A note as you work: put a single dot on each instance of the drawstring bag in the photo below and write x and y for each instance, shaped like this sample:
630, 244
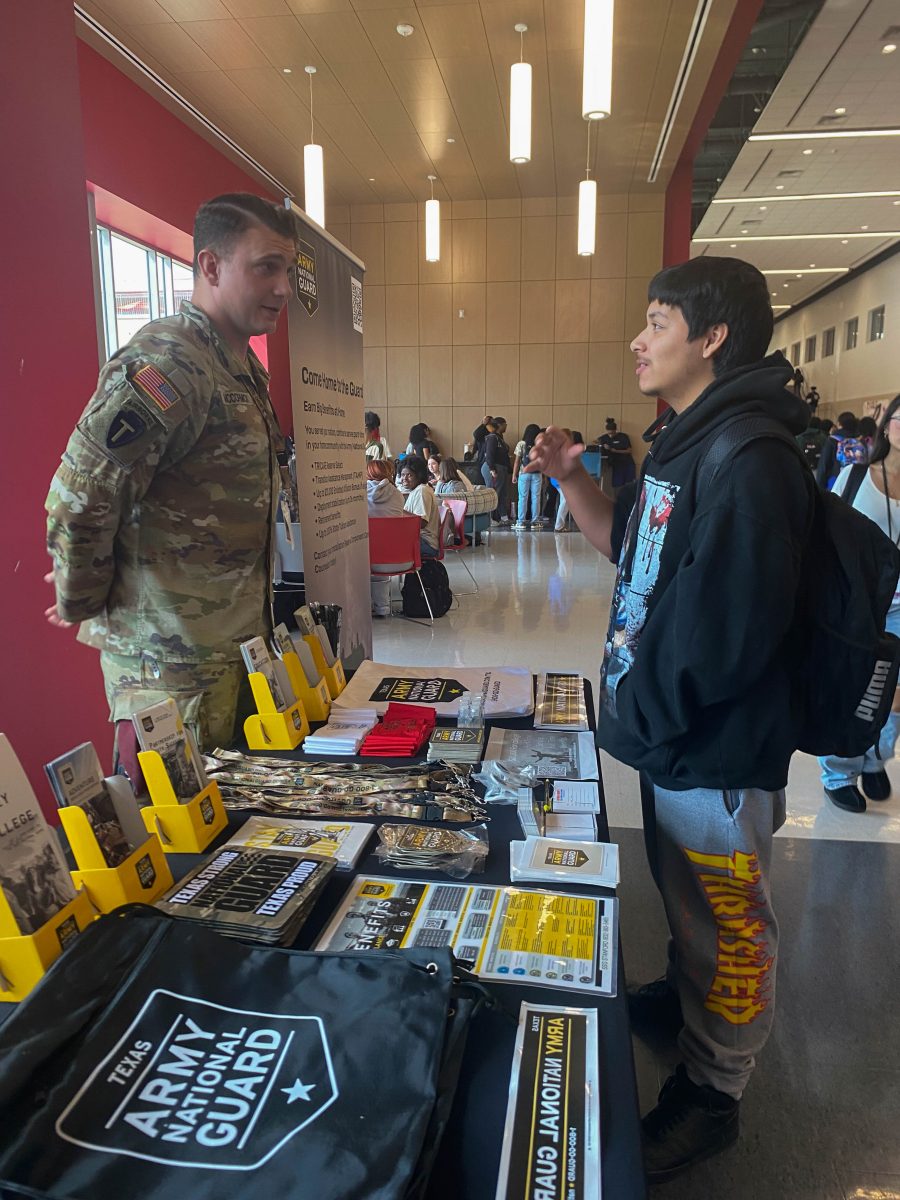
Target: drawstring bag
160, 1059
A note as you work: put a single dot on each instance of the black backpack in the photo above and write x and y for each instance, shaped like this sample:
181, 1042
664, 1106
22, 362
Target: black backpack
436, 584
845, 665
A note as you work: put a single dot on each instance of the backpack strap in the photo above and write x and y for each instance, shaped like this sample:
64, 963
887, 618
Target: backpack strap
733, 437
854, 482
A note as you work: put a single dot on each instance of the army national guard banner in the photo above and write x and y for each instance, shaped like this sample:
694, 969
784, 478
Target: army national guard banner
326, 336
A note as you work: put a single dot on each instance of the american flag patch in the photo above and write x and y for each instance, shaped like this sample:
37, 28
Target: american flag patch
156, 387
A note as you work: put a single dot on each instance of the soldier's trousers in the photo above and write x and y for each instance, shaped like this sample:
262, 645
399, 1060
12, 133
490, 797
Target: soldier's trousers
710, 853
210, 696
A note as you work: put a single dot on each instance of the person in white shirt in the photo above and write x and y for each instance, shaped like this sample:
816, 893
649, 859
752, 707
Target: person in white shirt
872, 489
420, 502
376, 445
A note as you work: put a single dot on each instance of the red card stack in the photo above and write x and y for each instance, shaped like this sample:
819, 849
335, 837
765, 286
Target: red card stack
402, 732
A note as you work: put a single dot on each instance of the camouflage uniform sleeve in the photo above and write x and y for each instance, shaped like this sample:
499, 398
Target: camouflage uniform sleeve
146, 411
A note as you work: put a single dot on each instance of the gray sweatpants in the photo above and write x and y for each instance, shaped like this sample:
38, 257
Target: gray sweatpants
710, 854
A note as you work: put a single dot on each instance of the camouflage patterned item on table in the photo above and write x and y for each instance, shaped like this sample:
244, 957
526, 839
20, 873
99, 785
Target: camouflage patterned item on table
161, 514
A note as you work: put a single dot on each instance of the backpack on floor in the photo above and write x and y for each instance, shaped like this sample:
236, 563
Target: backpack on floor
846, 666
436, 583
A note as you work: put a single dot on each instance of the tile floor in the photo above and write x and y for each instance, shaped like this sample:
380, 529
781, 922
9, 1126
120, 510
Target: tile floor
821, 1116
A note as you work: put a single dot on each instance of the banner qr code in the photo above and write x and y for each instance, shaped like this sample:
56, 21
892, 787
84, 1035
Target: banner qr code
356, 296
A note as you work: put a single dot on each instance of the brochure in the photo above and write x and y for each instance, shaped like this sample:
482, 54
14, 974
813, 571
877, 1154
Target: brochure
160, 727
551, 1142
554, 755
286, 641
77, 781
505, 934
257, 658
550, 860
33, 873
559, 702
507, 691
341, 840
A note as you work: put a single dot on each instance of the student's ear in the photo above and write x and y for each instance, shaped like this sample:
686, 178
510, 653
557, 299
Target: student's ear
208, 262
714, 339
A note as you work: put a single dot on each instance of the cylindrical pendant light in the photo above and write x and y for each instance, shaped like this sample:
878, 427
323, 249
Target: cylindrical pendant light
520, 104
587, 208
432, 226
596, 94
313, 168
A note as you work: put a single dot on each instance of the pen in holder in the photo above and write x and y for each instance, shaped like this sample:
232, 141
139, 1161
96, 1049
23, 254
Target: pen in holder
269, 729
182, 828
26, 957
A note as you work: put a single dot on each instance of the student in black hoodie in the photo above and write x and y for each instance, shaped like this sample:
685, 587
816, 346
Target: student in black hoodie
696, 683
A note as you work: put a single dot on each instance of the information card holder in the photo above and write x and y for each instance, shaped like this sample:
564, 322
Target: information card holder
333, 676
25, 957
182, 828
315, 698
269, 729
141, 878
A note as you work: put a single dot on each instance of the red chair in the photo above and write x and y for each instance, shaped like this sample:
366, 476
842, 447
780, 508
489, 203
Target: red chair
456, 544
394, 548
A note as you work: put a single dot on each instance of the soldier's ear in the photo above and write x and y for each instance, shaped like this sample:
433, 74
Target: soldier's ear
208, 262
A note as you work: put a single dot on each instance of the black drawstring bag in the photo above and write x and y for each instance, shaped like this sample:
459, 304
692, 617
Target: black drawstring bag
158, 1059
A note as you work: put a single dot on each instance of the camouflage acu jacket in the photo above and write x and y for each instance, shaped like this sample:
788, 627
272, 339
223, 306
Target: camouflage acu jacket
161, 514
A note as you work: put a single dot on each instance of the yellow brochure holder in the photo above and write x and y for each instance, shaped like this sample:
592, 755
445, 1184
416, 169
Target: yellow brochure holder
182, 828
141, 878
269, 729
333, 676
26, 957
315, 698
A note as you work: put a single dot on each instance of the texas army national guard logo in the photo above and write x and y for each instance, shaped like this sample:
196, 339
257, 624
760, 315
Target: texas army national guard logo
196, 1084
307, 282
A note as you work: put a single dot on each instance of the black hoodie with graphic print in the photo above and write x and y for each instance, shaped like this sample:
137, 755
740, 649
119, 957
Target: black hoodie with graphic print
696, 671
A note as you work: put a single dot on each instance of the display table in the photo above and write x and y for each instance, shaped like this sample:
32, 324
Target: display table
469, 1158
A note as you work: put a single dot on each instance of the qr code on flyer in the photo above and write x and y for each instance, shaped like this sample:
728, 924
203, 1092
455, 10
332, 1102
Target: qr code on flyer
356, 289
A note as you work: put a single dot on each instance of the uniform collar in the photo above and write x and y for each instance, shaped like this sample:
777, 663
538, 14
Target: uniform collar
252, 369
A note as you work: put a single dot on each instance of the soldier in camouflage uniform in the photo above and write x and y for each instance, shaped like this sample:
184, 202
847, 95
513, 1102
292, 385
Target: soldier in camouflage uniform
161, 514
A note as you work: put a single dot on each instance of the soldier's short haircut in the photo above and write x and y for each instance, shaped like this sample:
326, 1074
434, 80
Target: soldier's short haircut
221, 221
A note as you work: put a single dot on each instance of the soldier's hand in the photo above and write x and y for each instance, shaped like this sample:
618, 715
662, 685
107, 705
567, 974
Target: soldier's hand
554, 453
51, 613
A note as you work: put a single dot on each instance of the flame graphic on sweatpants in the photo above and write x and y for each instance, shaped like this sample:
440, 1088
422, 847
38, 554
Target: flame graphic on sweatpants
739, 990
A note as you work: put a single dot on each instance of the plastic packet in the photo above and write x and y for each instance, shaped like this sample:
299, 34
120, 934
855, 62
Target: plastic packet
502, 780
457, 852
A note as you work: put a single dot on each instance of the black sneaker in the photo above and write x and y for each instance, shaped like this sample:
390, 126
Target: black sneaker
655, 1008
876, 785
849, 798
690, 1122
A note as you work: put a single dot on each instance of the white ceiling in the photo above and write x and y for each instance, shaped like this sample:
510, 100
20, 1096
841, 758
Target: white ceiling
839, 64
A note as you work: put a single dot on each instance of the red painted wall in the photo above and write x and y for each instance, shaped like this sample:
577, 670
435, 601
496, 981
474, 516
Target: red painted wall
139, 151
51, 696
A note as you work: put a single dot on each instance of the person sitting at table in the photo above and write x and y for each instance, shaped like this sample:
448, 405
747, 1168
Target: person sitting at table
420, 502
434, 469
450, 480
384, 500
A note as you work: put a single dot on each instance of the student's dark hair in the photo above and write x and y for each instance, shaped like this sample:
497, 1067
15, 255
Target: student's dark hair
416, 466
418, 434
848, 422
449, 471
814, 423
611, 423
221, 221
882, 443
720, 291
372, 421
825, 425
529, 437
867, 427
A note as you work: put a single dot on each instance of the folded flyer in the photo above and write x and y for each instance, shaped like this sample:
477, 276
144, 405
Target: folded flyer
159, 727
341, 840
507, 691
77, 781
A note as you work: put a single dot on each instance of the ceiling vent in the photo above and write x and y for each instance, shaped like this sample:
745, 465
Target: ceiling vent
832, 119
788, 174
890, 34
